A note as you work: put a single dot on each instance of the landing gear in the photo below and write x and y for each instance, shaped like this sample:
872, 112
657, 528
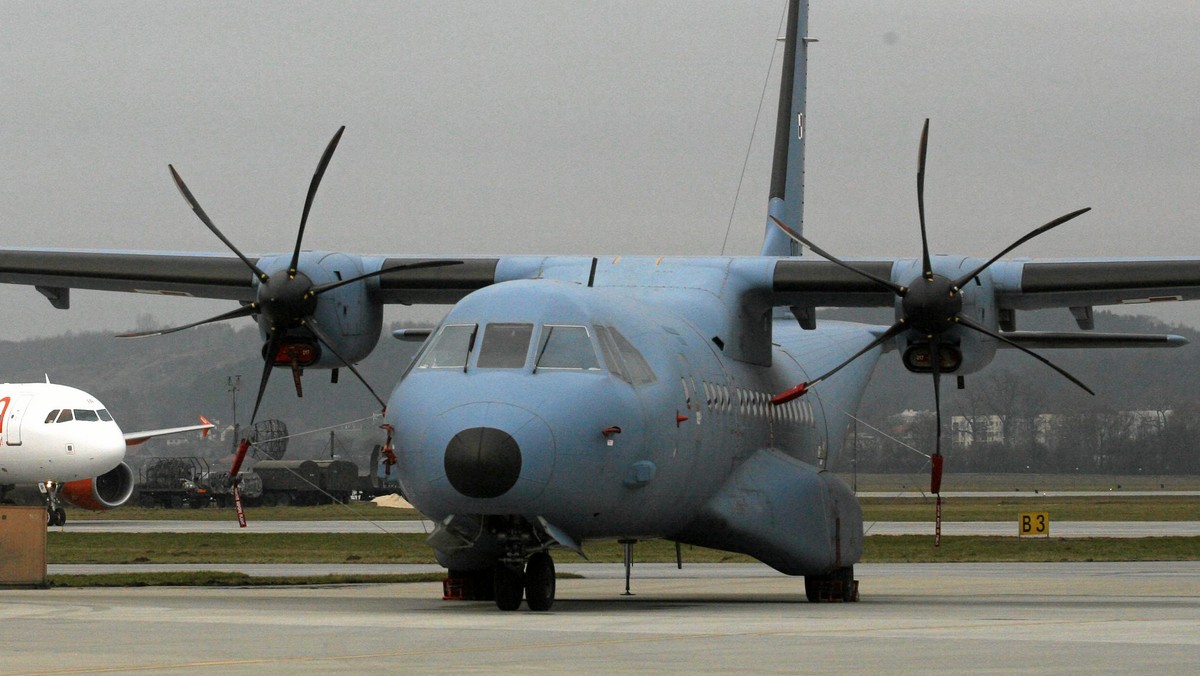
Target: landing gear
510, 586
505, 559
539, 582
839, 586
536, 584
55, 514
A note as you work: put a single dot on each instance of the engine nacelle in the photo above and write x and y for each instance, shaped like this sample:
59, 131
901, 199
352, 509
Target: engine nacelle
109, 490
350, 316
961, 351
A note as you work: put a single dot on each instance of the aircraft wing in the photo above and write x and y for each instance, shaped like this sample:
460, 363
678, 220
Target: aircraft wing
1086, 282
804, 282
220, 276
135, 438
200, 275
1019, 284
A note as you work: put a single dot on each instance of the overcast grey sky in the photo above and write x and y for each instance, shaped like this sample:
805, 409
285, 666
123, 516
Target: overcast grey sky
587, 128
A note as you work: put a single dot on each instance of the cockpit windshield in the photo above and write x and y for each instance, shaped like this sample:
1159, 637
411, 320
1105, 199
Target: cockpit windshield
450, 347
83, 414
566, 347
560, 347
505, 346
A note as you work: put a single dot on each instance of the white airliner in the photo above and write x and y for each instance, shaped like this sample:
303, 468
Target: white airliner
64, 441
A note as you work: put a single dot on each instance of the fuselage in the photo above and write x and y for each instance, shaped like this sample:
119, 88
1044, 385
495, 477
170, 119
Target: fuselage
607, 411
55, 433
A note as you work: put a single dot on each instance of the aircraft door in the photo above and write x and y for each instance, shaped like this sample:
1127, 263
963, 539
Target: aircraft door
12, 411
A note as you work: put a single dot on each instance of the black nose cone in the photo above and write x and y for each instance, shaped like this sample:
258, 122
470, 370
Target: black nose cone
483, 462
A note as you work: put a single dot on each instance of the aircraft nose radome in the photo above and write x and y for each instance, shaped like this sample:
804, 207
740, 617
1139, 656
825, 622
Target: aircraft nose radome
483, 462
480, 457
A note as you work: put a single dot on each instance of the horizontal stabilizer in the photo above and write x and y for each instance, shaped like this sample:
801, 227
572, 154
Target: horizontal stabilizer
1050, 340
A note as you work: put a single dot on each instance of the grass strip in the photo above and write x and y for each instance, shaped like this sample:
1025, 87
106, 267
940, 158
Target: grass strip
1080, 508
203, 578
208, 578
354, 511
200, 548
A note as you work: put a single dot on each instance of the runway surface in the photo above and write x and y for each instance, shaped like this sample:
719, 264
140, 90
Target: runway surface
1059, 618
1057, 528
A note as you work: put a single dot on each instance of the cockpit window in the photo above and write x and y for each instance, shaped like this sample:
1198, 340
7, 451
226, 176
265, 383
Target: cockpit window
104, 415
624, 360
504, 346
566, 347
450, 347
52, 416
86, 415
65, 415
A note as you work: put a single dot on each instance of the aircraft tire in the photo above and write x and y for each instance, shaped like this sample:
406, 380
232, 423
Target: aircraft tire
539, 582
510, 587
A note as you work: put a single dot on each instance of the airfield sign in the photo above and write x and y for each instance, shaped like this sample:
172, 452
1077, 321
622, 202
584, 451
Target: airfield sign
1033, 523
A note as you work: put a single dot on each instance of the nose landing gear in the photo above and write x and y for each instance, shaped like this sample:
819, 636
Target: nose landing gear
536, 583
52, 494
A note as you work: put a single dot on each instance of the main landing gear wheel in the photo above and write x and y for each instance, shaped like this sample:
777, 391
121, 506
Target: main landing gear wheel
510, 587
539, 581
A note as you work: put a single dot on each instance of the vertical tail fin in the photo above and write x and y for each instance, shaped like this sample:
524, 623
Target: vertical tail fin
787, 172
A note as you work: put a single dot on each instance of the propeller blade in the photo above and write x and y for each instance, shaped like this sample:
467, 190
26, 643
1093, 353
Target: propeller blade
890, 285
273, 344
935, 356
187, 194
799, 390
238, 458
999, 336
311, 323
244, 311
927, 265
312, 192
1052, 224
322, 288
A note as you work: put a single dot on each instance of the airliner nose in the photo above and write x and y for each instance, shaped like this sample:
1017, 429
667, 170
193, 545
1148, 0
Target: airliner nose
483, 462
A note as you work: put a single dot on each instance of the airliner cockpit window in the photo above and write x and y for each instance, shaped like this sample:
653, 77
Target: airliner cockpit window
450, 347
566, 347
104, 415
65, 415
52, 416
86, 415
504, 346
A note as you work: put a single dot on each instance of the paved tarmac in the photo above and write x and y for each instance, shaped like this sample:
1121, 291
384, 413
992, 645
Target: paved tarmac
1067, 529
949, 618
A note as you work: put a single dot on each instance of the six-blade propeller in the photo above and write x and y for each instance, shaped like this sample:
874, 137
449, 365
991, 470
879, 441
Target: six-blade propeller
931, 305
286, 299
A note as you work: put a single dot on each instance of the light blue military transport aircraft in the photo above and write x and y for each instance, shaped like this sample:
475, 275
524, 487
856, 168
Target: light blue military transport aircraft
572, 398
